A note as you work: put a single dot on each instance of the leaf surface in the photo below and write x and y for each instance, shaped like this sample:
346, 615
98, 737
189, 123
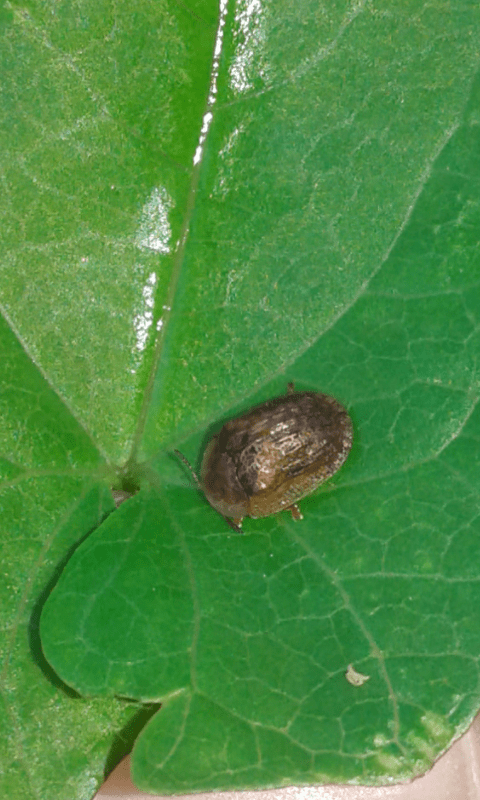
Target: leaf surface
162, 270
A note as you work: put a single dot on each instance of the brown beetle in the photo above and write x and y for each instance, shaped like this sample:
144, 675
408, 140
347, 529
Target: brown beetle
273, 455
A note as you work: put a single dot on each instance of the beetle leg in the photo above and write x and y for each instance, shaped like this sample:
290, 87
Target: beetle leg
236, 523
295, 511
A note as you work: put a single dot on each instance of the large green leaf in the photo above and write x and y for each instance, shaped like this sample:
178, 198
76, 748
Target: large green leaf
53, 743
326, 234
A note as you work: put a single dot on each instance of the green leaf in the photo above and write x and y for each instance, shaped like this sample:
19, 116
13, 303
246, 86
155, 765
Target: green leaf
48, 501
325, 233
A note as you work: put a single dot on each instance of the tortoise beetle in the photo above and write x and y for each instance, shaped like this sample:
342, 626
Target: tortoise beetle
267, 459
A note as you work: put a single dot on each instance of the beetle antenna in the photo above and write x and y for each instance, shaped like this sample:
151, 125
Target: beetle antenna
185, 460
187, 464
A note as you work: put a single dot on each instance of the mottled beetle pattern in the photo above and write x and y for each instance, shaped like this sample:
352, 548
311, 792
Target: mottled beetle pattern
273, 455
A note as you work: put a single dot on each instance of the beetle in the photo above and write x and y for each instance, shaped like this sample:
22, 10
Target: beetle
279, 451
